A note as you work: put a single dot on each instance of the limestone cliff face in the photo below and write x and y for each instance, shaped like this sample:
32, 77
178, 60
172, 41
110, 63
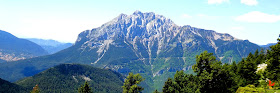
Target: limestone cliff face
149, 35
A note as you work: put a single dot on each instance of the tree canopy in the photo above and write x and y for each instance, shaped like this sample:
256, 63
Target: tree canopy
131, 83
85, 88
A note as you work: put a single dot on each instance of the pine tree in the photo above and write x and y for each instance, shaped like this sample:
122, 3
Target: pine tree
203, 62
212, 75
156, 91
85, 88
247, 70
131, 83
273, 62
169, 87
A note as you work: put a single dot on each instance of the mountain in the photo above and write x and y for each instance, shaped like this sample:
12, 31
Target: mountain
67, 78
13, 48
144, 43
51, 46
7, 87
267, 45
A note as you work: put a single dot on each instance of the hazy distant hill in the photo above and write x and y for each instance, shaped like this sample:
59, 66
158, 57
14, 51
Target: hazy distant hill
51, 46
144, 43
13, 48
267, 45
67, 78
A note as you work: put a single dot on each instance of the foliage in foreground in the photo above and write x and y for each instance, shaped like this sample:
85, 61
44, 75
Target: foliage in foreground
67, 78
131, 83
8, 87
213, 76
85, 88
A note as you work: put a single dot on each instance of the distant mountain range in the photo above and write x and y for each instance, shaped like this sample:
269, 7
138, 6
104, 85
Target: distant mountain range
144, 43
51, 46
267, 45
13, 48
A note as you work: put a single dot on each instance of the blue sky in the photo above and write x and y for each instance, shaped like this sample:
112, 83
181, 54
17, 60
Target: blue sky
62, 20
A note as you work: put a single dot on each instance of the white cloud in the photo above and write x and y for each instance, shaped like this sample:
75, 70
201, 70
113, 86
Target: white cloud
186, 16
217, 1
249, 2
258, 17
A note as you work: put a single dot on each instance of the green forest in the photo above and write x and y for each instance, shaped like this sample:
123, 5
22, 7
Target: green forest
67, 78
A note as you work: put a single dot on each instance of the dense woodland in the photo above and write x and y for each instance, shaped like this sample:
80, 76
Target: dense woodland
67, 78
7, 87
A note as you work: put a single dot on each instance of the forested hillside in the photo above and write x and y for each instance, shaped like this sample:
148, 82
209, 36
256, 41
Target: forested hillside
7, 87
67, 78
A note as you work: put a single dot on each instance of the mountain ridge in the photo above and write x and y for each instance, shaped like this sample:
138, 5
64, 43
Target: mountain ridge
267, 45
13, 48
51, 46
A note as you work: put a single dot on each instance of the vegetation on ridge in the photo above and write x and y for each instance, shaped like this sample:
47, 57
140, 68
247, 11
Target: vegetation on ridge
67, 78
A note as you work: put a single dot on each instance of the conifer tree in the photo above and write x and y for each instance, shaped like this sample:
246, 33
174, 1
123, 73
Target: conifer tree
169, 87
247, 70
273, 62
85, 88
212, 75
156, 91
131, 83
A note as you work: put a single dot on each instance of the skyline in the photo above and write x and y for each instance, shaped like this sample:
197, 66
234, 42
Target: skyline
64, 20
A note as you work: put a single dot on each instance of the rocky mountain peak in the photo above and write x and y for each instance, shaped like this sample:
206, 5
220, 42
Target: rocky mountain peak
138, 24
137, 12
147, 30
